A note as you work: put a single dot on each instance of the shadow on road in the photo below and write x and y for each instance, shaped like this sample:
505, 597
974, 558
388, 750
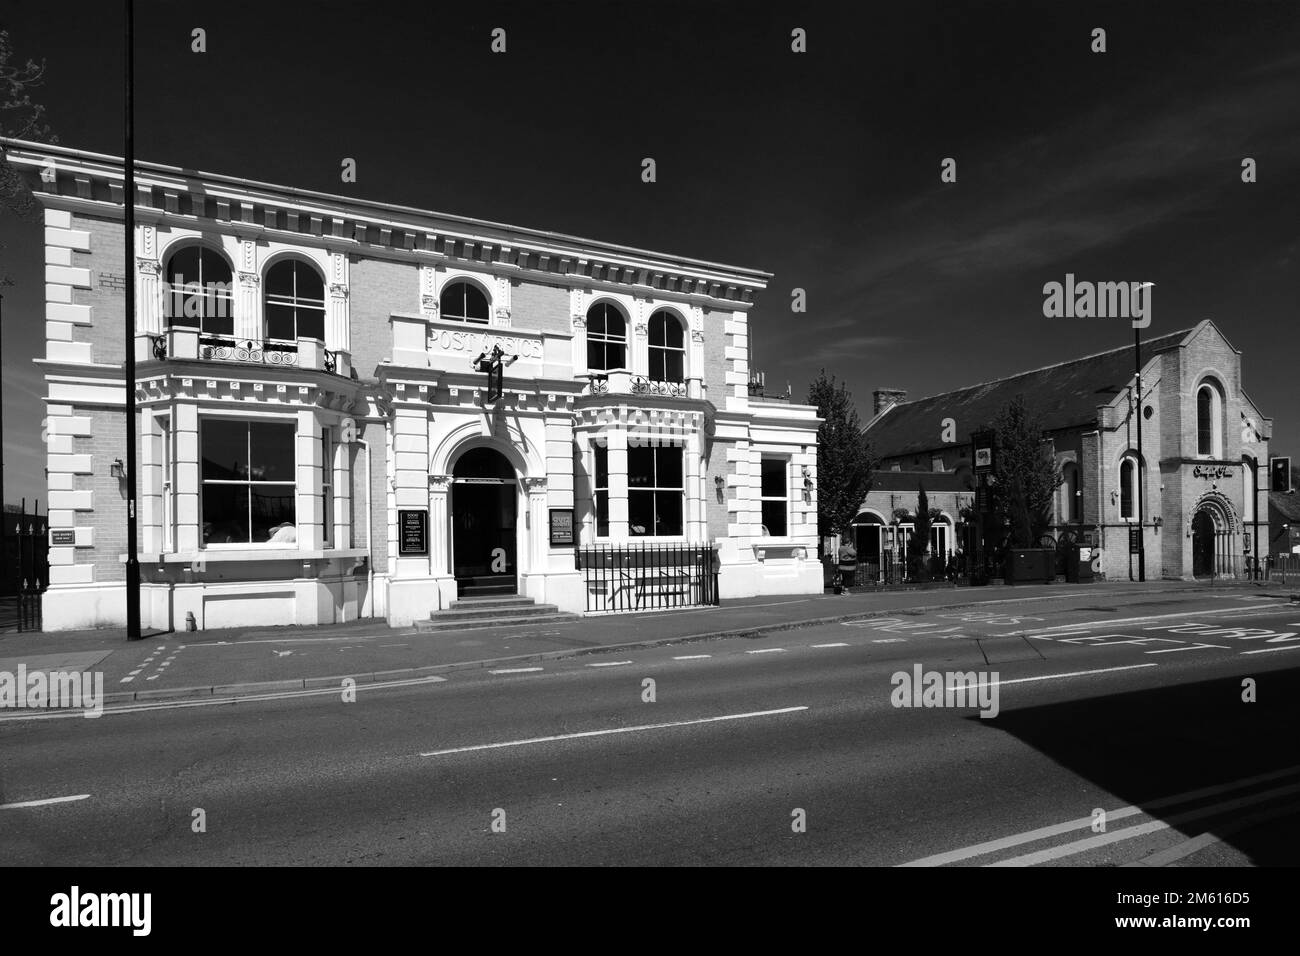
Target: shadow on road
1148, 746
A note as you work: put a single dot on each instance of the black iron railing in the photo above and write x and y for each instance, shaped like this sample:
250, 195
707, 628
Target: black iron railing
645, 386
642, 577
26, 569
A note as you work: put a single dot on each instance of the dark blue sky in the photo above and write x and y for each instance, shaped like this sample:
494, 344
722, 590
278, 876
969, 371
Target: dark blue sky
822, 168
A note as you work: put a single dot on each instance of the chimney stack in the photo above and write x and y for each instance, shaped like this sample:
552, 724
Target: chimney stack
887, 397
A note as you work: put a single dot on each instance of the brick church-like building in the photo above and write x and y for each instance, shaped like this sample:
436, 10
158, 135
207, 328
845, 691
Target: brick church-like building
1204, 461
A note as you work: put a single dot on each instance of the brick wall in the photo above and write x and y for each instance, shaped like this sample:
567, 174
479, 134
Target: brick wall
715, 511
543, 307
105, 443
374, 433
715, 362
378, 289
107, 294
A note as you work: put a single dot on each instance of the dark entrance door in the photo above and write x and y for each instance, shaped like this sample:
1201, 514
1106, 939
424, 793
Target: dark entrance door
1202, 544
483, 510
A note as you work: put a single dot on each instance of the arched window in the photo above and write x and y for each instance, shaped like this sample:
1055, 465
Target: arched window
1248, 489
463, 302
1070, 511
1128, 489
667, 348
1209, 419
606, 338
295, 302
199, 291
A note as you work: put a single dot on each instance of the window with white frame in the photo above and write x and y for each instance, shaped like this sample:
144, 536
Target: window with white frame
463, 301
248, 482
939, 535
655, 491
667, 348
601, 491
774, 496
199, 294
295, 302
1128, 488
606, 338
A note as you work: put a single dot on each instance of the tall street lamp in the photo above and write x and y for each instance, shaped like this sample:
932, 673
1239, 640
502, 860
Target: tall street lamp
132, 552
1141, 462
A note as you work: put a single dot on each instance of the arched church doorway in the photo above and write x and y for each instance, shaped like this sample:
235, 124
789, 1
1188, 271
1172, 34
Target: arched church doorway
1203, 544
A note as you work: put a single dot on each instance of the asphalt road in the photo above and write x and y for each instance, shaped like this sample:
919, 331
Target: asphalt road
787, 749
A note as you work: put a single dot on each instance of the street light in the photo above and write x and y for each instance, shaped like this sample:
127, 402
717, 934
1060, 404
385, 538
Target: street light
1141, 462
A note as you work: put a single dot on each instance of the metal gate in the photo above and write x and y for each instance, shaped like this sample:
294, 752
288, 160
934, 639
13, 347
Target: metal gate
25, 544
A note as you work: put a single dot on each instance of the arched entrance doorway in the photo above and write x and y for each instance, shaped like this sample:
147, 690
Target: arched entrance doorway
867, 541
484, 506
1203, 544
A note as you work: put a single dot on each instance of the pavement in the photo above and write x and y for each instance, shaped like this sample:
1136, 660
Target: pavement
253, 661
1122, 737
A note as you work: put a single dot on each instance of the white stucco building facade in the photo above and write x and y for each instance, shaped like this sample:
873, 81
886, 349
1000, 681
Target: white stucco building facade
317, 443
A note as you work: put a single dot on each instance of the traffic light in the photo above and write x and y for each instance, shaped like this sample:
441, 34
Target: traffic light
1281, 474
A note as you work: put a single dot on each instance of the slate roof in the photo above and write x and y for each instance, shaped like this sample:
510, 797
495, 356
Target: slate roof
1064, 395
934, 481
1287, 506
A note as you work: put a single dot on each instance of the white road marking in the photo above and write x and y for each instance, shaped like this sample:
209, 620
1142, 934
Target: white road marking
692, 657
1104, 839
152, 677
1034, 631
1269, 650
126, 680
890, 640
288, 640
1103, 670
767, 650
612, 730
1084, 823
43, 803
516, 670
841, 644
610, 664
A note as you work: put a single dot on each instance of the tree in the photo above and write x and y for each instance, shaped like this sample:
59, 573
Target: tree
1025, 474
920, 542
844, 459
20, 118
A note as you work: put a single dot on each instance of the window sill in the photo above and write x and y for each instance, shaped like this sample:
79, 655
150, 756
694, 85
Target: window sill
212, 555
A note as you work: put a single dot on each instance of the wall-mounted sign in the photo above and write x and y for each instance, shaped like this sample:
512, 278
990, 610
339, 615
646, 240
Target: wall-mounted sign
476, 343
413, 532
63, 536
1134, 540
1212, 472
561, 526
982, 452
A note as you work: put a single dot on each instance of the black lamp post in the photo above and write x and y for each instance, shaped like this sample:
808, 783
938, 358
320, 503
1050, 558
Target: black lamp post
1141, 462
132, 551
